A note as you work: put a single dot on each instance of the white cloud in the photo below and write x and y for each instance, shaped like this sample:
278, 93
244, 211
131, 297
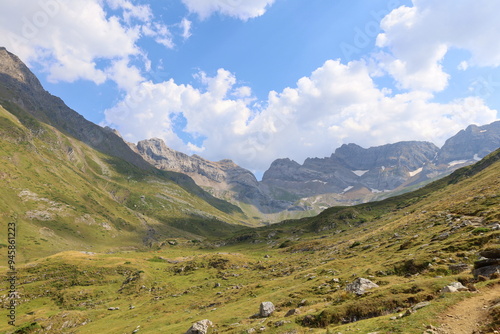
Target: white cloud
241, 9
419, 37
81, 40
66, 38
186, 28
336, 104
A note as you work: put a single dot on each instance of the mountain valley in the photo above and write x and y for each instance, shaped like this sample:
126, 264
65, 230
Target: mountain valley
113, 237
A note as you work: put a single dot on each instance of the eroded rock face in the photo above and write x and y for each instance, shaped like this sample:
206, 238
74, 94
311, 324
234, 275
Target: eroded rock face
200, 327
475, 142
224, 178
26, 91
360, 285
489, 264
377, 169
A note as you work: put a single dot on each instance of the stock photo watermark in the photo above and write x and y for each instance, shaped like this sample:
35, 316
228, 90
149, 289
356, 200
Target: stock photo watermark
364, 35
32, 24
11, 273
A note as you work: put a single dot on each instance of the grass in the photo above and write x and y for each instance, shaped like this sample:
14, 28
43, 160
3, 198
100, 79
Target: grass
94, 233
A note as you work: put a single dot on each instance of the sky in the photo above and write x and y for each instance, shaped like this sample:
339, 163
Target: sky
257, 80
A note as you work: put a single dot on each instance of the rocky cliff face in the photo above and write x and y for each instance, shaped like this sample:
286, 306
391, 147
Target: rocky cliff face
351, 167
471, 144
352, 174
224, 179
19, 86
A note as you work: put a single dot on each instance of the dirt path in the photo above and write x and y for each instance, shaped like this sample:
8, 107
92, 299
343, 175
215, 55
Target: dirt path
467, 316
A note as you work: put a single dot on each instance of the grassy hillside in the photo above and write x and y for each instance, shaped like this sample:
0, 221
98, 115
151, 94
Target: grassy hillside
64, 195
409, 245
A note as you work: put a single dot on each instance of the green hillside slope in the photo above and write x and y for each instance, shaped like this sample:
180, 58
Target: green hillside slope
64, 195
411, 246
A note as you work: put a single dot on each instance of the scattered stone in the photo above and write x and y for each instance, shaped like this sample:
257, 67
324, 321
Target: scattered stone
360, 285
420, 305
291, 312
303, 302
454, 287
458, 268
217, 285
113, 308
200, 327
441, 237
250, 330
490, 253
279, 323
267, 256
407, 313
266, 309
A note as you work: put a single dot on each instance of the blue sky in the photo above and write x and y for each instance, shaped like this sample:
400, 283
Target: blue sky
256, 80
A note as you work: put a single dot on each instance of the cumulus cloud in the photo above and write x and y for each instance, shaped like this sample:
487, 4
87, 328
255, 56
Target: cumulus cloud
338, 103
419, 37
241, 9
95, 40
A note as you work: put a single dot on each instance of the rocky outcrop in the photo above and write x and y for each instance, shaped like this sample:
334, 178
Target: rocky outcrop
19, 86
377, 169
489, 263
224, 178
200, 327
471, 144
360, 285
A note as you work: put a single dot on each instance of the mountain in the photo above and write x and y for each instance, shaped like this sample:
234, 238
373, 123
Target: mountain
351, 167
68, 183
412, 249
471, 144
223, 179
20, 88
351, 175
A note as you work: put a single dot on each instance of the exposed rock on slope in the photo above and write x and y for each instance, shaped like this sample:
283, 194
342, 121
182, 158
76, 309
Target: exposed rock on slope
471, 144
224, 179
19, 86
351, 166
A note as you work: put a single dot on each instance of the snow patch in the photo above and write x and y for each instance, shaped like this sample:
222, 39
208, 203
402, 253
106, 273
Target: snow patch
348, 188
415, 172
376, 191
382, 168
476, 157
360, 172
456, 162
483, 131
319, 181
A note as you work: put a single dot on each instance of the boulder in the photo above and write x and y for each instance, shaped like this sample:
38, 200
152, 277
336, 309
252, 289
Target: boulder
454, 287
360, 285
458, 268
486, 271
200, 327
490, 253
266, 309
486, 263
292, 312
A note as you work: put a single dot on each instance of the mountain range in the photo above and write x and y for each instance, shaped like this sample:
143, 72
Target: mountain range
113, 237
351, 175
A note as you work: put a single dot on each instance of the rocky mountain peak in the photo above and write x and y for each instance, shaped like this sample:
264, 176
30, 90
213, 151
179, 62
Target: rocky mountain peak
19, 86
13, 67
473, 143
